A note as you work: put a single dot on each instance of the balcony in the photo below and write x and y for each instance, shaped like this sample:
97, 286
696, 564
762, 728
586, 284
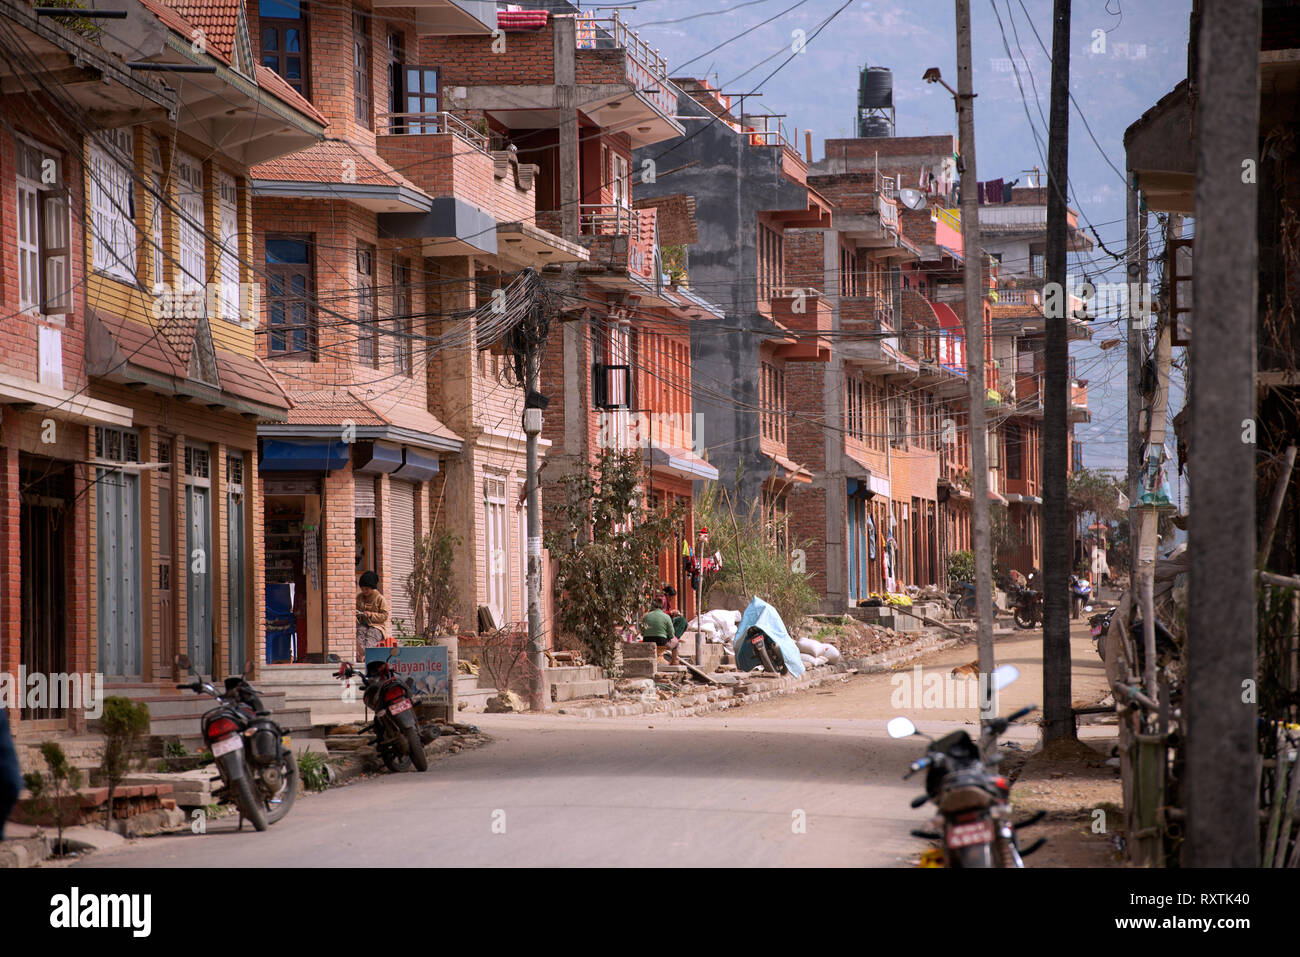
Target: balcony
764, 130
621, 240
643, 67
1079, 400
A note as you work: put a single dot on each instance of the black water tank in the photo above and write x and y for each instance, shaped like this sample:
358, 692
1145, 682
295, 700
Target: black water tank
875, 87
874, 127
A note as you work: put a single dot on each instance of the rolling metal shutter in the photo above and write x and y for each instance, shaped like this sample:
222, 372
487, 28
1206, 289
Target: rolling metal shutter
400, 529
364, 495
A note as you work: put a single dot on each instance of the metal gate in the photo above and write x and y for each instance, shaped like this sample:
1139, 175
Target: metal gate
400, 530
118, 557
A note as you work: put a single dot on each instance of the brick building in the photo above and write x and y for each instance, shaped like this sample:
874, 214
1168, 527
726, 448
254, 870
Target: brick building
387, 248
131, 390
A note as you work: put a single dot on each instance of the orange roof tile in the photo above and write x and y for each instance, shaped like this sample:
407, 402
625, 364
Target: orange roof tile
323, 163
336, 406
278, 87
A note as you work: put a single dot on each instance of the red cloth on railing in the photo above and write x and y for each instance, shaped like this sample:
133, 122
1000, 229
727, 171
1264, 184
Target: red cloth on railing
518, 20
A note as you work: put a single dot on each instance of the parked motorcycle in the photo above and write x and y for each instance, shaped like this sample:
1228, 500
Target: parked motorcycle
396, 733
253, 755
1098, 625
1080, 594
974, 819
963, 597
1028, 610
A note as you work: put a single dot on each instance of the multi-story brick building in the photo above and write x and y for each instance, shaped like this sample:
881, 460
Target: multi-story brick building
388, 248
574, 96
131, 389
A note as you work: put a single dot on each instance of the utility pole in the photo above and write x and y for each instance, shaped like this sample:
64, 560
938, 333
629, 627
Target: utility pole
1222, 750
1058, 714
972, 281
532, 429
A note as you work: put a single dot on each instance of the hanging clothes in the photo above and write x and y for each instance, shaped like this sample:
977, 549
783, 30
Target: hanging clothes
871, 538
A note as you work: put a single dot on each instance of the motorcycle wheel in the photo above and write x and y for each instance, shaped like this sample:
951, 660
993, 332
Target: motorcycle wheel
248, 803
279, 804
778, 659
764, 658
1076, 603
1025, 618
394, 760
418, 757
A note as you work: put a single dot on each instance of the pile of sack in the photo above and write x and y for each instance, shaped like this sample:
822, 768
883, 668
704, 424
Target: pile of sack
718, 626
814, 652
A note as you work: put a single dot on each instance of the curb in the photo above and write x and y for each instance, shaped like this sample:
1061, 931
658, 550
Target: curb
349, 766
720, 699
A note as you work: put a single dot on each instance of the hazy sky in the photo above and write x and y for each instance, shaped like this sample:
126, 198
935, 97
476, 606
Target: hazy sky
1145, 55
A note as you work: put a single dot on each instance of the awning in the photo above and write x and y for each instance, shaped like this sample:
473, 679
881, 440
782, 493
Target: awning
61, 403
416, 466
289, 455
995, 497
947, 317
682, 463
376, 457
787, 471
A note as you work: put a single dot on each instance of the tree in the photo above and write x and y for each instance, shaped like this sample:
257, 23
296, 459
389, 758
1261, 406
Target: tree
431, 586
125, 721
606, 546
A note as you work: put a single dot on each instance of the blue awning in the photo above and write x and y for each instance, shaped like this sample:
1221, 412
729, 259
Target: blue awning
303, 455
417, 466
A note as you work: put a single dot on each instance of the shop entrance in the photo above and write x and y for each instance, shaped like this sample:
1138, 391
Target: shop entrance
295, 572
44, 520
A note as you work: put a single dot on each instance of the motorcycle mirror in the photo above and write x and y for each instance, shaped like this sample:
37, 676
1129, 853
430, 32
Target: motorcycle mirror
1004, 675
900, 727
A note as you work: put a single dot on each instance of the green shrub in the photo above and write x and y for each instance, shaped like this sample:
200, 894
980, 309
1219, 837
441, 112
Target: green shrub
124, 721
59, 780
312, 771
961, 567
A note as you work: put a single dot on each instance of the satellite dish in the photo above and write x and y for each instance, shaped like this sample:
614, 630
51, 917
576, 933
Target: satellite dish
912, 198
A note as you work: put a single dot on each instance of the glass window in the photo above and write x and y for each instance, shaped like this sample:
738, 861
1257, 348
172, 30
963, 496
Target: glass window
290, 308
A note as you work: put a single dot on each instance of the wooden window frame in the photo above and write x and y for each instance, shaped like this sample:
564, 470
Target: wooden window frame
281, 25
362, 88
367, 324
403, 346
287, 299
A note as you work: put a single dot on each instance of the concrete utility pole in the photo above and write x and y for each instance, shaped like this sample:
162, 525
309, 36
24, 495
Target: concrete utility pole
1222, 751
1058, 714
532, 429
1138, 315
972, 281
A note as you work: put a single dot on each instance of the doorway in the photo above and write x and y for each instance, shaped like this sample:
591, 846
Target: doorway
294, 578
43, 525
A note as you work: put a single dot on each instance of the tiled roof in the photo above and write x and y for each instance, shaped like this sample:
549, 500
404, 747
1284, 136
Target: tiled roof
335, 406
217, 19
323, 163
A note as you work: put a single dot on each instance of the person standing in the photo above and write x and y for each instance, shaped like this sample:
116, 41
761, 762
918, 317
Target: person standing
372, 615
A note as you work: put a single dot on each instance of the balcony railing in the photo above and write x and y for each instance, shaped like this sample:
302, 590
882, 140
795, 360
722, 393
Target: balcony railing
419, 124
647, 70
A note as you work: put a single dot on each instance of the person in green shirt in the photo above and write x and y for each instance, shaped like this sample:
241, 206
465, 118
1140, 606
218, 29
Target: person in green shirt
656, 626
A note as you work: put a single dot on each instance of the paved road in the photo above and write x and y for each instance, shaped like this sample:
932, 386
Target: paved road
645, 791
604, 792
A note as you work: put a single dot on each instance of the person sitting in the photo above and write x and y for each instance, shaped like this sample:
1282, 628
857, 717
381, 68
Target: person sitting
679, 620
372, 616
656, 626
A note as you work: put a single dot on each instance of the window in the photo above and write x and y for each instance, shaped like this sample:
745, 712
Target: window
367, 330
228, 203
284, 40
361, 68
402, 316
898, 424
421, 89
112, 203
772, 403
619, 181
44, 228
116, 445
494, 504
1013, 441
396, 84
193, 223
771, 262
291, 315
156, 225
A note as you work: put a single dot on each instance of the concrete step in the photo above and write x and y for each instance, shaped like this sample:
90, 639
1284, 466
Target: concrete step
570, 690
290, 719
284, 675
574, 673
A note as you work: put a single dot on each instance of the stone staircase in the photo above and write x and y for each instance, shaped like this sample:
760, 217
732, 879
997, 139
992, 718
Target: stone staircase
571, 682
471, 697
314, 688
174, 713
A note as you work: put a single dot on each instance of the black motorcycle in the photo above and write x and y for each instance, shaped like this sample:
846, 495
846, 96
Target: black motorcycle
396, 732
1098, 626
974, 802
1028, 610
767, 651
257, 766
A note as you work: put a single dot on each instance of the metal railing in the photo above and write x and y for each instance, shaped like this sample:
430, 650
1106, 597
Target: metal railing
420, 124
609, 219
611, 33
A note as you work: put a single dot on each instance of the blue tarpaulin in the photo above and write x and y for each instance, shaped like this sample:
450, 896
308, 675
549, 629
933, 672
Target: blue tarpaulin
763, 616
